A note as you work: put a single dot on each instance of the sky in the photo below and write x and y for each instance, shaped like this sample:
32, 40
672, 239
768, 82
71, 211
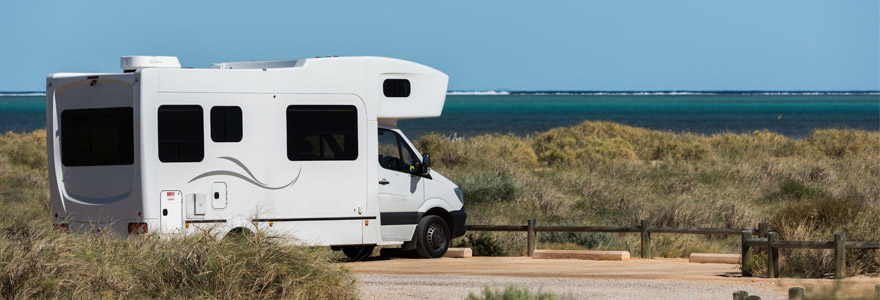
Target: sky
481, 45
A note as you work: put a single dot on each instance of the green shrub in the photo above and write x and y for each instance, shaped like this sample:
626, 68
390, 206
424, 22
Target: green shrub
511, 293
591, 240
796, 190
481, 245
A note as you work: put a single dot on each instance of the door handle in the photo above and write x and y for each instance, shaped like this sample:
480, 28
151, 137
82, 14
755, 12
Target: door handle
384, 182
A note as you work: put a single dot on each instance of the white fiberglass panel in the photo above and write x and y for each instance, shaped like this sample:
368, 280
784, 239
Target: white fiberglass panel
261, 182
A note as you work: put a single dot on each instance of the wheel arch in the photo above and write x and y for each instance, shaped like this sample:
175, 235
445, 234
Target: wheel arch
239, 225
442, 213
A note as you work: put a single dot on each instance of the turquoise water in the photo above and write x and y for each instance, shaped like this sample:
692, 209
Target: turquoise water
790, 115
22, 113
466, 115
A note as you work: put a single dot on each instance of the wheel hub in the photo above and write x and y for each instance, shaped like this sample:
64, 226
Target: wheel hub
436, 237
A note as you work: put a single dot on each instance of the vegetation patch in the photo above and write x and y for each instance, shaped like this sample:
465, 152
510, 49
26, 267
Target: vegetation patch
481, 244
595, 173
36, 261
512, 293
600, 173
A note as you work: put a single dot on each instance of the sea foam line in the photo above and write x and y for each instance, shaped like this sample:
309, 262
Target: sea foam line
22, 94
482, 93
664, 93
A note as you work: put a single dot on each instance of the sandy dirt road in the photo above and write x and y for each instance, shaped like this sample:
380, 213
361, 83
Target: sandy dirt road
451, 278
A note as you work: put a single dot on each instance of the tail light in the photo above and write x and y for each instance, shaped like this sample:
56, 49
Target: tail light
61, 227
137, 228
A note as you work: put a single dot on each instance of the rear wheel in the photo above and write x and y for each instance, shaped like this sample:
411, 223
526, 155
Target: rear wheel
356, 253
238, 234
432, 238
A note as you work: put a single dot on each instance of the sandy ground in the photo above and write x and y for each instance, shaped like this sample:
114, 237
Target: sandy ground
455, 278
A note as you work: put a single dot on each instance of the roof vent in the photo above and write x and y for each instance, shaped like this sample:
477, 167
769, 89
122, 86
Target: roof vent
132, 63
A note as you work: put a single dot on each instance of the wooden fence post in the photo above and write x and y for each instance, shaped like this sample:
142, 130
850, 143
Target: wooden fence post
531, 237
877, 292
646, 239
772, 255
745, 258
796, 293
762, 230
839, 255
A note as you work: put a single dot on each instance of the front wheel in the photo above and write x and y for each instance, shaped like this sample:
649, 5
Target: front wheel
432, 238
357, 253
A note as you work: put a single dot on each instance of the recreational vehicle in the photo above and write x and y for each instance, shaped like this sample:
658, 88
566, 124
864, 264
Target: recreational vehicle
306, 147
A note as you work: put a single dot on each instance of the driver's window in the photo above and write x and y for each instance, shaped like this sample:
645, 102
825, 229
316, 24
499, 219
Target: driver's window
394, 153
389, 153
408, 157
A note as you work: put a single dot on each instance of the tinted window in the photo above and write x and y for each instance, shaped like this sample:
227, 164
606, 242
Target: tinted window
97, 137
406, 154
389, 152
394, 153
322, 132
396, 88
181, 133
226, 124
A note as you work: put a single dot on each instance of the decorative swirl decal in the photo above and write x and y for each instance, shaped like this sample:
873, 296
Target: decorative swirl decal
250, 178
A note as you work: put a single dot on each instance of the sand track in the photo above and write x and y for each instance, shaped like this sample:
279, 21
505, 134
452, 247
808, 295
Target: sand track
450, 278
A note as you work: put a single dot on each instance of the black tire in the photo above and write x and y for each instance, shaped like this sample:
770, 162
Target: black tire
357, 253
432, 237
238, 235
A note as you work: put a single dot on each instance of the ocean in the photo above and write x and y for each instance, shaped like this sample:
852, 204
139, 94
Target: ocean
793, 114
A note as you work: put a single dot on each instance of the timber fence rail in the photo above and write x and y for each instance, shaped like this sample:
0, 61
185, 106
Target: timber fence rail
766, 240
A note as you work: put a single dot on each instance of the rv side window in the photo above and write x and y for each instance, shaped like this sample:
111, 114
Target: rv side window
97, 137
396, 88
181, 133
226, 124
322, 132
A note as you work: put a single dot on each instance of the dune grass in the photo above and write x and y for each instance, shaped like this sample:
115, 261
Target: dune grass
600, 173
37, 261
595, 173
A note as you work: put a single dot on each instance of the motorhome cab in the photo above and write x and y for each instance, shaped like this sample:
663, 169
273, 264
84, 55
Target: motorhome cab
305, 147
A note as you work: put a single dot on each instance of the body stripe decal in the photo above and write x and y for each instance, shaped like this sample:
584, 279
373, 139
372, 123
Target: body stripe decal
251, 178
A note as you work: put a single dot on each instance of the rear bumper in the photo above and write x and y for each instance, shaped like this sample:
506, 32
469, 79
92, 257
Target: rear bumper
459, 217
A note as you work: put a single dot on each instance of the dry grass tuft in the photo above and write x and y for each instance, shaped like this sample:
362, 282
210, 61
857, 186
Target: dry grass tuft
38, 262
43, 263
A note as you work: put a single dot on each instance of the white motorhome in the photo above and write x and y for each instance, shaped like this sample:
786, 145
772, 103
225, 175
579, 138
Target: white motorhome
306, 147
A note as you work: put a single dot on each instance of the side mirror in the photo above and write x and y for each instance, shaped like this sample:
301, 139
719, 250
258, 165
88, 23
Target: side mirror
421, 168
426, 161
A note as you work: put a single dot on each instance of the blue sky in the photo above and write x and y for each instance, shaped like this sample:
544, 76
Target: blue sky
482, 45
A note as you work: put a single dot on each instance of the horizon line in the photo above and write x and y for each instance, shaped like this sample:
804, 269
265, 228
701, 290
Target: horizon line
595, 91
